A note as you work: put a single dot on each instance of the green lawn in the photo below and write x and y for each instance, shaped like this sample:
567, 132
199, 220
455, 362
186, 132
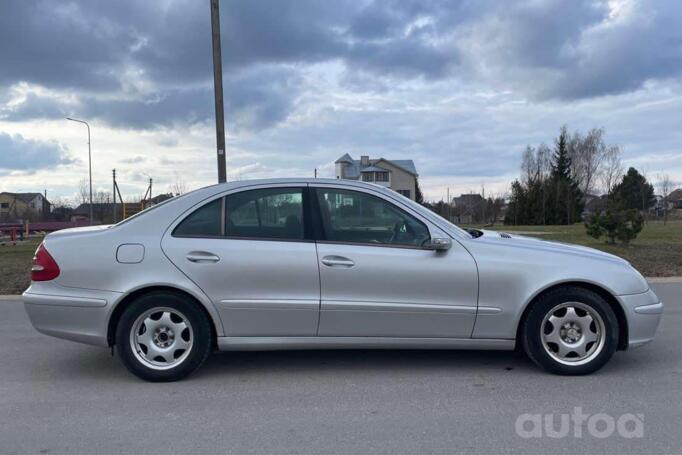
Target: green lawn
657, 251
15, 266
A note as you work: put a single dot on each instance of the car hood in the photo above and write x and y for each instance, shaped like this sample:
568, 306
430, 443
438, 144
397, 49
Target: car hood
522, 241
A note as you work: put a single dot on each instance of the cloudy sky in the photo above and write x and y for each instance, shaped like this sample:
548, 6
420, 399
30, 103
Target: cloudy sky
460, 87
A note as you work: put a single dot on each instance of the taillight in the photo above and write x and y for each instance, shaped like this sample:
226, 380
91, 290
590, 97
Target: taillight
44, 266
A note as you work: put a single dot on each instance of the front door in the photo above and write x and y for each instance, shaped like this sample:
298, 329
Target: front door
377, 279
252, 255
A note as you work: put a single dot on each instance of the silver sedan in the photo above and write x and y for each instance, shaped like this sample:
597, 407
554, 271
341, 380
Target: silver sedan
323, 264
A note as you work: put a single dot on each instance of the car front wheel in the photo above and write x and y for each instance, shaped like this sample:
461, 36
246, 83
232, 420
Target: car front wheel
570, 331
162, 337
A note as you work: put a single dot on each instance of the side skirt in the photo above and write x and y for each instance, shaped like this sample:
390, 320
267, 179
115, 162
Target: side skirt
291, 343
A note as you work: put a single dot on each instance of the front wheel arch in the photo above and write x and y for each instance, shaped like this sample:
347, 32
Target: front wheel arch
623, 335
128, 299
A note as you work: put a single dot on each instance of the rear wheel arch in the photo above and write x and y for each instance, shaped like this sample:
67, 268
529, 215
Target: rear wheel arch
603, 293
132, 296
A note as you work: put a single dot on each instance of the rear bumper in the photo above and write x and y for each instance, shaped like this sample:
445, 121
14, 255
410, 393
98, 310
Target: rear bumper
643, 313
74, 314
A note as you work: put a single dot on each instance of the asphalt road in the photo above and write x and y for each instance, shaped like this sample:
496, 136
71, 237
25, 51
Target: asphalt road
62, 397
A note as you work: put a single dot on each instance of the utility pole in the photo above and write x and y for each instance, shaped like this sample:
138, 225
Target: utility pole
89, 160
113, 173
218, 91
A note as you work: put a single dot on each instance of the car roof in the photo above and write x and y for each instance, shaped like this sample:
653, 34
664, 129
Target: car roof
300, 180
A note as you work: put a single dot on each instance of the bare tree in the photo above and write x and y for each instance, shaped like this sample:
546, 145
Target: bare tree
588, 154
536, 163
665, 186
178, 187
544, 160
102, 206
612, 169
84, 191
528, 165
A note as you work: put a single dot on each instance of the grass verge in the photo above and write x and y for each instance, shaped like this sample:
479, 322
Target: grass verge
657, 250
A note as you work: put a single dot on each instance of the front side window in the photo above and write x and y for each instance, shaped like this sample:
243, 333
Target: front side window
356, 217
272, 213
203, 222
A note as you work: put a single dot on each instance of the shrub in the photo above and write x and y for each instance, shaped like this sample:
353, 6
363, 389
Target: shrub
629, 225
623, 225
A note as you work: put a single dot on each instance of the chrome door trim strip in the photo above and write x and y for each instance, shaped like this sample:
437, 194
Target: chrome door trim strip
273, 304
489, 310
342, 305
295, 343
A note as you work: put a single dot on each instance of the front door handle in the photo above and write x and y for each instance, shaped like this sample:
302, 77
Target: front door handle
202, 256
337, 261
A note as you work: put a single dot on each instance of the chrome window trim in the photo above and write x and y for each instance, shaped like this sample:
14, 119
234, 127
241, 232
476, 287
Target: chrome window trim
380, 245
180, 218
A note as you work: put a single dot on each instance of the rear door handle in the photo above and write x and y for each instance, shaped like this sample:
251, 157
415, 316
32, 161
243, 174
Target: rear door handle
202, 256
337, 261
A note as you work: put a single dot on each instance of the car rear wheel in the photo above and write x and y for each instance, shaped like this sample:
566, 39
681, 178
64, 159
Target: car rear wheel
570, 331
162, 336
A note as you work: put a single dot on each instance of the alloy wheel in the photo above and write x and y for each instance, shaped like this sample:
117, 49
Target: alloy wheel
573, 333
161, 338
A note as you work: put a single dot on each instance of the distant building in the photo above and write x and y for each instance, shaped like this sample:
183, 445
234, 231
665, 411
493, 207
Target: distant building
675, 199
157, 199
102, 212
467, 201
595, 204
398, 175
23, 205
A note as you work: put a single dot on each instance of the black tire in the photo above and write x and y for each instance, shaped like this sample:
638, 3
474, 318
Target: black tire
195, 356
532, 331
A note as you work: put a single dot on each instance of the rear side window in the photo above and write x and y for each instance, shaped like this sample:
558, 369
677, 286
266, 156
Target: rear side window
203, 222
272, 213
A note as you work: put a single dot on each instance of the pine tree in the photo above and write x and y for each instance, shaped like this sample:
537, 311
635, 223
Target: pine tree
633, 192
418, 196
564, 198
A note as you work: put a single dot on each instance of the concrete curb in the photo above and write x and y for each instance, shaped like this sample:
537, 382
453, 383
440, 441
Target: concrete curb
653, 279
665, 279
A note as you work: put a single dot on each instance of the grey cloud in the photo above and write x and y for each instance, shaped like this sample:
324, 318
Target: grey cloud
573, 50
133, 160
147, 65
254, 100
20, 154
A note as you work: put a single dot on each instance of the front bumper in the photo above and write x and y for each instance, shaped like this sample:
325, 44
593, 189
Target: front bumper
643, 313
74, 314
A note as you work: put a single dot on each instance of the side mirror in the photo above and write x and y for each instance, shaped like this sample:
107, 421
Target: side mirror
438, 244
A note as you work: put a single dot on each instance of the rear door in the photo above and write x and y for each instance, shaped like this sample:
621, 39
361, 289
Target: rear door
378, 280
252, 254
